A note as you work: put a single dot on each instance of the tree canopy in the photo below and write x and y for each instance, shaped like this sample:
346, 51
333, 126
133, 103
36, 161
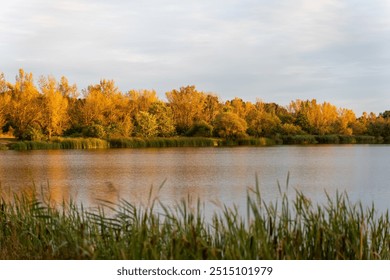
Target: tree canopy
57, 108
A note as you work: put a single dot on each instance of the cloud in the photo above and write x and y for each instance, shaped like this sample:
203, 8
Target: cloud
275, 50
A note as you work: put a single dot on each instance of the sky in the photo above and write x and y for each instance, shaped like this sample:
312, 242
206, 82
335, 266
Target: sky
273, 50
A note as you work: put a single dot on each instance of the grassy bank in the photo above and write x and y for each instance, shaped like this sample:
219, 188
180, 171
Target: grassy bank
95, 143
163, 142
331, 139
289, 229
160, 142
61, 143
261, 141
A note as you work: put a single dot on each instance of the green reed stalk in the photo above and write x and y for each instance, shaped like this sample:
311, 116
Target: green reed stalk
33, 228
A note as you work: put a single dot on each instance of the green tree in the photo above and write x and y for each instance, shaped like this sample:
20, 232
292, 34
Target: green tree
379, 126
164, 119
146, 125
290, 129
385, 114
200, 129
229, 125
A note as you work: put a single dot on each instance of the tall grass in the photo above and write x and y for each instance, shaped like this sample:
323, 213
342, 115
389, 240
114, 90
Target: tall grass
163, 142
299, 139
82, 143
286, 229
159, 142
331, 139
61, 143
250, 141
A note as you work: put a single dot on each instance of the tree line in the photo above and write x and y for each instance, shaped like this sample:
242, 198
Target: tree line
57, 108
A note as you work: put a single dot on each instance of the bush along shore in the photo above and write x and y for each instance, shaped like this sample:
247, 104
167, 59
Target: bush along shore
95, 143
31, 228
160, 142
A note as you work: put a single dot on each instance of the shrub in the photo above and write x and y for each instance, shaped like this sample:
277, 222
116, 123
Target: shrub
200, 129
230, 126
94, 131
299, 139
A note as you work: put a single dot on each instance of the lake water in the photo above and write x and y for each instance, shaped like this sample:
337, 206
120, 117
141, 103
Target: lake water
211, 174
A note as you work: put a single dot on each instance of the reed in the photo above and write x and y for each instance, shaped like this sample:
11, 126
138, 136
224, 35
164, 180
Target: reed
163, 142
3, 147
249, 141
32, 228
299, 139
82, 143
261, 141
61, 143
327, 139
360, 139
331, 139
160, 142
34, 145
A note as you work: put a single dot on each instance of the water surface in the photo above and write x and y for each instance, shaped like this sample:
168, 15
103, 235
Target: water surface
212, 174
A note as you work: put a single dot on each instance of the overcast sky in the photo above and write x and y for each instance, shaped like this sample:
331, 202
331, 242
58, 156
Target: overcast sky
275, 50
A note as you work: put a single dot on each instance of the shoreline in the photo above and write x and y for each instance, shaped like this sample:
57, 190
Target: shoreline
59, 143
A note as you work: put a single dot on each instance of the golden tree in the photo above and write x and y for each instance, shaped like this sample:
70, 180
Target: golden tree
141, 100
314, 118
4, 100
345, 123
25, 107
187, 106
260, 121
54, 107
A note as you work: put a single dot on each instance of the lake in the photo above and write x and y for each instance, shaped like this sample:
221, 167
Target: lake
215, 175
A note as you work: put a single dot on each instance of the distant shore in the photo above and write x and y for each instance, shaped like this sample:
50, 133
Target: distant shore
9, 143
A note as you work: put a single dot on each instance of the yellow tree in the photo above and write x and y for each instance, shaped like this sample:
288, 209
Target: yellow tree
322, 117
105, 108
187, 106
314, 118
67, 90
55, 116
71, 94
98, 104
141, 100
345, 122
123, 122
261, 122
212, 107
4, 101
24, 107
360, 126
239, 107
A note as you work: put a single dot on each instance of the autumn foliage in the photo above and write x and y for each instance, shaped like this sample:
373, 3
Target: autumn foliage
56, 108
